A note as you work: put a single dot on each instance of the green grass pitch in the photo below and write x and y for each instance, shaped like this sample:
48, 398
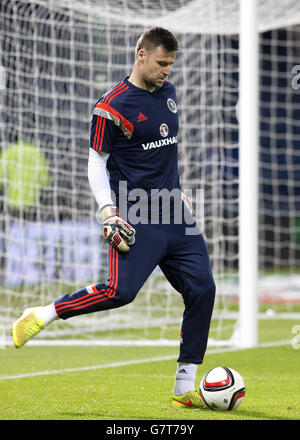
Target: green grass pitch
135, 383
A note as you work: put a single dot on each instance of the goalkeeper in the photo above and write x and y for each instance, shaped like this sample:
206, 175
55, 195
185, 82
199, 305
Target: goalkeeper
134, 136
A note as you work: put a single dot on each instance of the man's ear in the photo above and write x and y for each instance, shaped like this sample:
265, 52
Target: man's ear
141, 55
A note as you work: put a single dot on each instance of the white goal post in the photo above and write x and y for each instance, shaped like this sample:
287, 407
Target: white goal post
237, 76
248, 174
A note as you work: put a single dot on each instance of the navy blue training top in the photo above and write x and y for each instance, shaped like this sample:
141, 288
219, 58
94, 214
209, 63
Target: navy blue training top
138, 129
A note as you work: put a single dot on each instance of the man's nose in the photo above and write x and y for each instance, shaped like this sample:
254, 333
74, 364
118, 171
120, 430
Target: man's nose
167, 70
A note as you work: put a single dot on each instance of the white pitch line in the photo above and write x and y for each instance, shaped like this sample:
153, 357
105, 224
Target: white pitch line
133, 362
90, 367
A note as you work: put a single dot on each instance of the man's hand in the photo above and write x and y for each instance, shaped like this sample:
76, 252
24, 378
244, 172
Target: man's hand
117, 232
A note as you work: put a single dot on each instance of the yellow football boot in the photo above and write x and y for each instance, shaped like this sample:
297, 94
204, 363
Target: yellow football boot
27, 326
191, 399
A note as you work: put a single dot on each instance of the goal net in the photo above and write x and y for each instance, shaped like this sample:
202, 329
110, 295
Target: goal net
57, 57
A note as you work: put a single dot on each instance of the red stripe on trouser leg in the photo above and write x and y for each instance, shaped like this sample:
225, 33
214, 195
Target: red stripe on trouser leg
86, 299
67, 306
114, 275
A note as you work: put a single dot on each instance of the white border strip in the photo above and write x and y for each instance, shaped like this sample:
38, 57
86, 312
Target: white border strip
113, 342
132, 362
90, 367
103, 342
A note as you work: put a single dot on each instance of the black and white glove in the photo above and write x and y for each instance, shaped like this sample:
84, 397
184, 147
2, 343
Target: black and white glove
118, 233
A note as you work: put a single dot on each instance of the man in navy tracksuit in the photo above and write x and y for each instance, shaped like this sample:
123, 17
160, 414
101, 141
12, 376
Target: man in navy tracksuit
134, 136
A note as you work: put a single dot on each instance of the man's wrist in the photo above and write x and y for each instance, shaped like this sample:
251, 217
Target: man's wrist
106, 212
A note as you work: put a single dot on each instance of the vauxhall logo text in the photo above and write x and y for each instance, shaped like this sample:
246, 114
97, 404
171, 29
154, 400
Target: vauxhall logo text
160, 143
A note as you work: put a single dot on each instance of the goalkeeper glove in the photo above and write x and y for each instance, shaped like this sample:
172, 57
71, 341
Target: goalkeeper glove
118, 233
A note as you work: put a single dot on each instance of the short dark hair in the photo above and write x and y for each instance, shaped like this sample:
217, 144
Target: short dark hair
157, 36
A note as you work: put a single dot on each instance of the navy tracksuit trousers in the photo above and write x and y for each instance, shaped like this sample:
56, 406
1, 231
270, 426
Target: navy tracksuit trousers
184, 260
